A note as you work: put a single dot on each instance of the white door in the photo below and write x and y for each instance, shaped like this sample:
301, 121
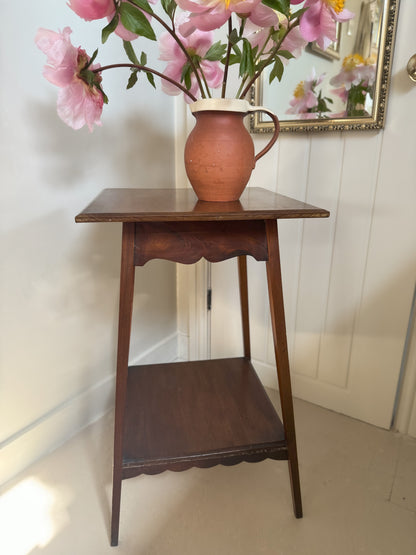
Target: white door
348, 281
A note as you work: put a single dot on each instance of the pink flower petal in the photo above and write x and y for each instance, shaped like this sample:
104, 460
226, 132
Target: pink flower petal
294, 43
213, 73
263, 16
61, 55
92, 9
80, 105
207, 21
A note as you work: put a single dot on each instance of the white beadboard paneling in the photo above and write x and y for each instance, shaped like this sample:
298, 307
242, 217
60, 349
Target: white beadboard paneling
258, 308
265, 172
353, 222
292, 179
325, 167
226, 334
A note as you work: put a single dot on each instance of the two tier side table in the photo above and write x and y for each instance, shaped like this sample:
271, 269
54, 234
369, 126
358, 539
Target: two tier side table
199, 413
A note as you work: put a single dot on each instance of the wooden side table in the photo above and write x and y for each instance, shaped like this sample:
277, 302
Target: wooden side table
200, 413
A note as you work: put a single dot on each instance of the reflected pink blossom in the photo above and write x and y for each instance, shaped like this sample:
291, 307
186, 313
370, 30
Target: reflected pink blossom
342, 93
79, 102
304, 96
355, 71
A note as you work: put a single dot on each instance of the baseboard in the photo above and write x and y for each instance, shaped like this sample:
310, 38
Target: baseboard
266, 373
66, 420
163, 351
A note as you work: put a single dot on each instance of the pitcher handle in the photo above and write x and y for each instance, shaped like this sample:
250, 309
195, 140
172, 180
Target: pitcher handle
276, 132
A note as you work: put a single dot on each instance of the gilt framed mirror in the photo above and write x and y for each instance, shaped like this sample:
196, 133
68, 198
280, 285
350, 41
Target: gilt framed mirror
365, 42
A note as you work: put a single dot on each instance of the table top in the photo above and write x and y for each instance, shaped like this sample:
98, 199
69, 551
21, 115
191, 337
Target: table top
163, 205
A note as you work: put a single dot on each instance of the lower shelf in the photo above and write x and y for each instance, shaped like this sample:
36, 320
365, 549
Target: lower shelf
200, 413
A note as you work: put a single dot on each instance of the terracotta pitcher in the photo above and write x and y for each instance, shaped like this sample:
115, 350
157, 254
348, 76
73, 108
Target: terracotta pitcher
219, 152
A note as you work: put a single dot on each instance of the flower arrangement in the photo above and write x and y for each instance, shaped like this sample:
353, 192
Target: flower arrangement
257, 34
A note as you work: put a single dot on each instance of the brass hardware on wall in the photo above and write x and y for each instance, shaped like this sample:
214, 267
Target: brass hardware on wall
411, 68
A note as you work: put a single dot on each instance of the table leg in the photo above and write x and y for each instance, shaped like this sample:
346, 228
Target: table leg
242, 276
274, 280
124, 330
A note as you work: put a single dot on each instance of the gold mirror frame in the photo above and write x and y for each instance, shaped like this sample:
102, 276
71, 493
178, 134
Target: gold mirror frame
376, 121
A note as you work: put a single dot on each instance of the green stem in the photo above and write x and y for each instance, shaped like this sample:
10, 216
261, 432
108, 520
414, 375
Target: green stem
205, 81
227, 59
150, 70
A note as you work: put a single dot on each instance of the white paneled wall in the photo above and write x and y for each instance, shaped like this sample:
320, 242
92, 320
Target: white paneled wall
59, 280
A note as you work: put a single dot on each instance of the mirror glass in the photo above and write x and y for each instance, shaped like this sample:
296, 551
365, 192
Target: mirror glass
351, 77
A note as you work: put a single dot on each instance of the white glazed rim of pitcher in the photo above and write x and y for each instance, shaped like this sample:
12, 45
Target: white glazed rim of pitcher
222, 104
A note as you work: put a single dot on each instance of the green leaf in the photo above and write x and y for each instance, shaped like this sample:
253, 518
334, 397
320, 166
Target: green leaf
247, 59
186, 75
285, 54
91, 60
297, 14
356, 95
135, 21
237, 50
169, 6
234, 59
130, 52
143, 59
277, 71
110, 28
216, 52
132, 79
234, 37
282, 6
151, 79
144, 4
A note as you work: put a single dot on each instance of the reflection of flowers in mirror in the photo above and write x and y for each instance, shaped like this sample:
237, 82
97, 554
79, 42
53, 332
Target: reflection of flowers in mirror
256, 34
307, 102
355, 83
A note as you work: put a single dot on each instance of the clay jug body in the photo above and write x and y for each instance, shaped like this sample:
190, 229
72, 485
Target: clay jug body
219, 152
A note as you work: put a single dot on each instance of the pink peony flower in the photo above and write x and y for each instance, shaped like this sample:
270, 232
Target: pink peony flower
196, 44
207, 15
79, 102
318, 23
92, 9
